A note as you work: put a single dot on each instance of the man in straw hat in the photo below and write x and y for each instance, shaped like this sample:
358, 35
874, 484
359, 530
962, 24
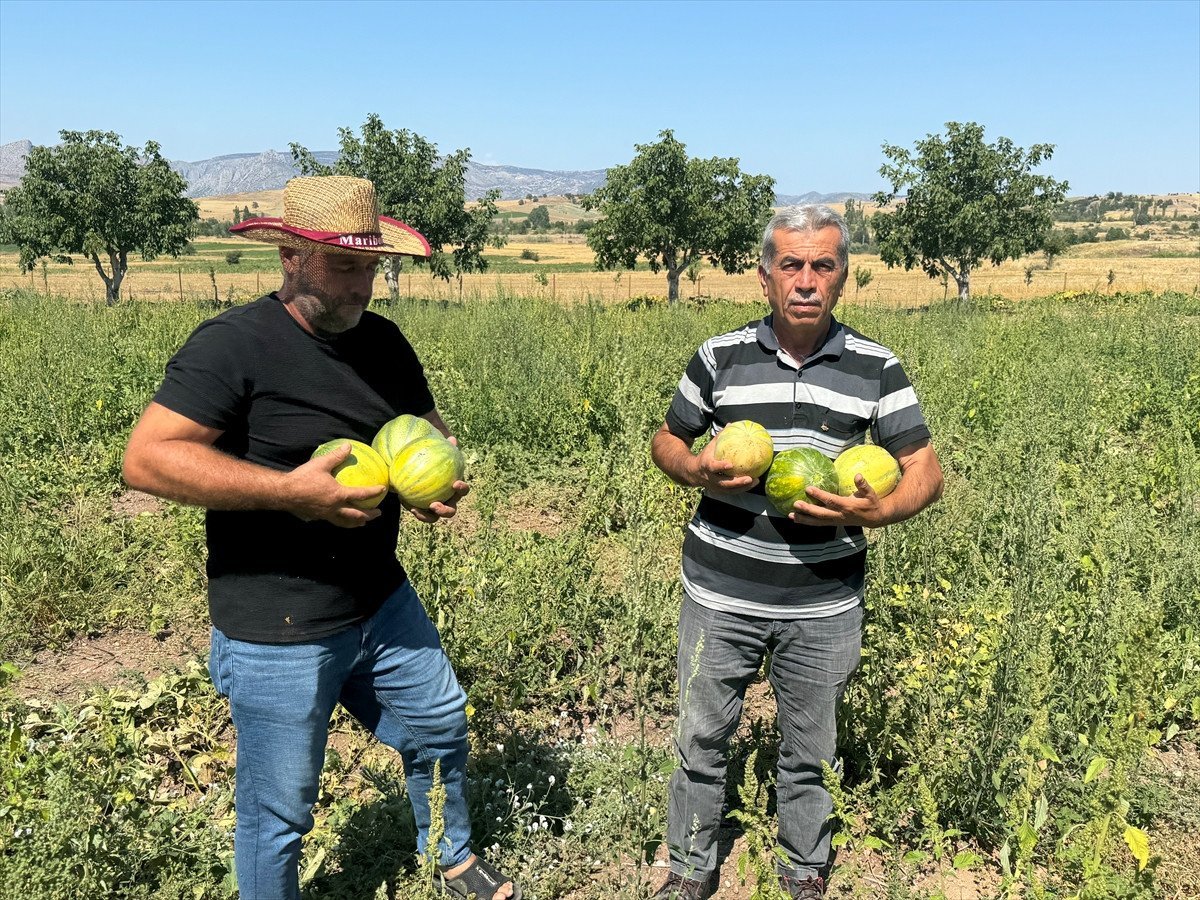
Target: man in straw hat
309, 604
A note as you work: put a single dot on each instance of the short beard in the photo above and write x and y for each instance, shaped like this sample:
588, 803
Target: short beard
316, 306
318, 315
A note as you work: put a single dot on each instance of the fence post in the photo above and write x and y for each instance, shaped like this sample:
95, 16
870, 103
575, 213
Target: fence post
181, 284
553, 284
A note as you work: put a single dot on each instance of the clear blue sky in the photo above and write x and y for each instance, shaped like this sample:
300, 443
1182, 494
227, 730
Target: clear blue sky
805, 92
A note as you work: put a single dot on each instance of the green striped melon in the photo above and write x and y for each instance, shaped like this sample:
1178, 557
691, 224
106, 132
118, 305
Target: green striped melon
747, 445
876, 465
424, 471
793, 471
400, 432
362, 468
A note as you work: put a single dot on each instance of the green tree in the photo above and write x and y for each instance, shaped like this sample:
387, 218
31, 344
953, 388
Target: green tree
1054, 245
539, 218
674, 211
856, 223
967, 201
415, 185
695, 275
91, 196
862, 277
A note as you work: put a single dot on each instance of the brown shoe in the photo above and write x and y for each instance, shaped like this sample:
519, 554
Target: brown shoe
676, 887
811, 887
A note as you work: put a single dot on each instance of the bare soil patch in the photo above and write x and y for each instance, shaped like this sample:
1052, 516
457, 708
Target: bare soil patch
861, 875
538, 508
1176, 768
132, 504
123, 658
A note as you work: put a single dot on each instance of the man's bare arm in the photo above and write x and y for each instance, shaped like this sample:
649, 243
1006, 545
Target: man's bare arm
674, 456
921, 468
171, 456
434, 418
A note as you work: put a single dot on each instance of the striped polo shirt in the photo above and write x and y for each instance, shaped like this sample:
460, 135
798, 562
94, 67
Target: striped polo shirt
740, 555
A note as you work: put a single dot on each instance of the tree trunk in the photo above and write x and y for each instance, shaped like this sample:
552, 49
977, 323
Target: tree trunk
964, 284
391, 274
673, 286
961, 276
111, 292
120, 265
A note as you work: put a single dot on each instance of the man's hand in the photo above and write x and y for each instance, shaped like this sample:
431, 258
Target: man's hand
313, 493
920, 485
444, 510
863, 507
712, 474
674, 456
448, 507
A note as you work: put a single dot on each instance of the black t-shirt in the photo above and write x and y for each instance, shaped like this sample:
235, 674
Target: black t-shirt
277, 393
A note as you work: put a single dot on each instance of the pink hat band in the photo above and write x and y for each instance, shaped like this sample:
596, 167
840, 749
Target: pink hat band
333, 238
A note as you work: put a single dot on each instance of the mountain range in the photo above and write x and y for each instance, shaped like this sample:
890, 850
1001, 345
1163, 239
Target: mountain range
238, 173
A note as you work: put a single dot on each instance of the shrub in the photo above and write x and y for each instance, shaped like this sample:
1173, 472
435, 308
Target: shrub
233, 257
530, 254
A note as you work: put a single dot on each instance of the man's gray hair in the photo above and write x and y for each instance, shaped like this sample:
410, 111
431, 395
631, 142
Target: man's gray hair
813, 217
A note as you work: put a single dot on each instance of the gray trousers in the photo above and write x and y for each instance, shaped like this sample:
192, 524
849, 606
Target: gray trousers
719, 655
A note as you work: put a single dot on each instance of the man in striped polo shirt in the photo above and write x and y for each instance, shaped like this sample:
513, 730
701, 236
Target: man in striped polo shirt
755, 581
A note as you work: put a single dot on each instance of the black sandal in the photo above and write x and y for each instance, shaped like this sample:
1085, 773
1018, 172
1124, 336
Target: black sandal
479, 881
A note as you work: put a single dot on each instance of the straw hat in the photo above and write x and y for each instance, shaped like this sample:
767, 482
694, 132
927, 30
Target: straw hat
334, 214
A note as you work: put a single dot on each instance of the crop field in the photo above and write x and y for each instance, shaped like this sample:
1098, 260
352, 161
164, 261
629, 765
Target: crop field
561, 267
564, 270
1024, 722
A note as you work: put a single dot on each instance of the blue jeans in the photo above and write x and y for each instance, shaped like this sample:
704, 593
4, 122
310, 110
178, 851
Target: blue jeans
392, 675
719, 655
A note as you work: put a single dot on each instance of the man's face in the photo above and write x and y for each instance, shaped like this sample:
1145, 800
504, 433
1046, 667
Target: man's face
331, 290
805, 280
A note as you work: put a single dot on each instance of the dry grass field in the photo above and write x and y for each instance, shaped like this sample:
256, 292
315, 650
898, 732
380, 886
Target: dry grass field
270, 203
560, 209
563, 270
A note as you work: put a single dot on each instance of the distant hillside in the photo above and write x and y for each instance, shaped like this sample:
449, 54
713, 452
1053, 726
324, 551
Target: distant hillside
244, 172
814, 197
514, 183
12, 162
240, 173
